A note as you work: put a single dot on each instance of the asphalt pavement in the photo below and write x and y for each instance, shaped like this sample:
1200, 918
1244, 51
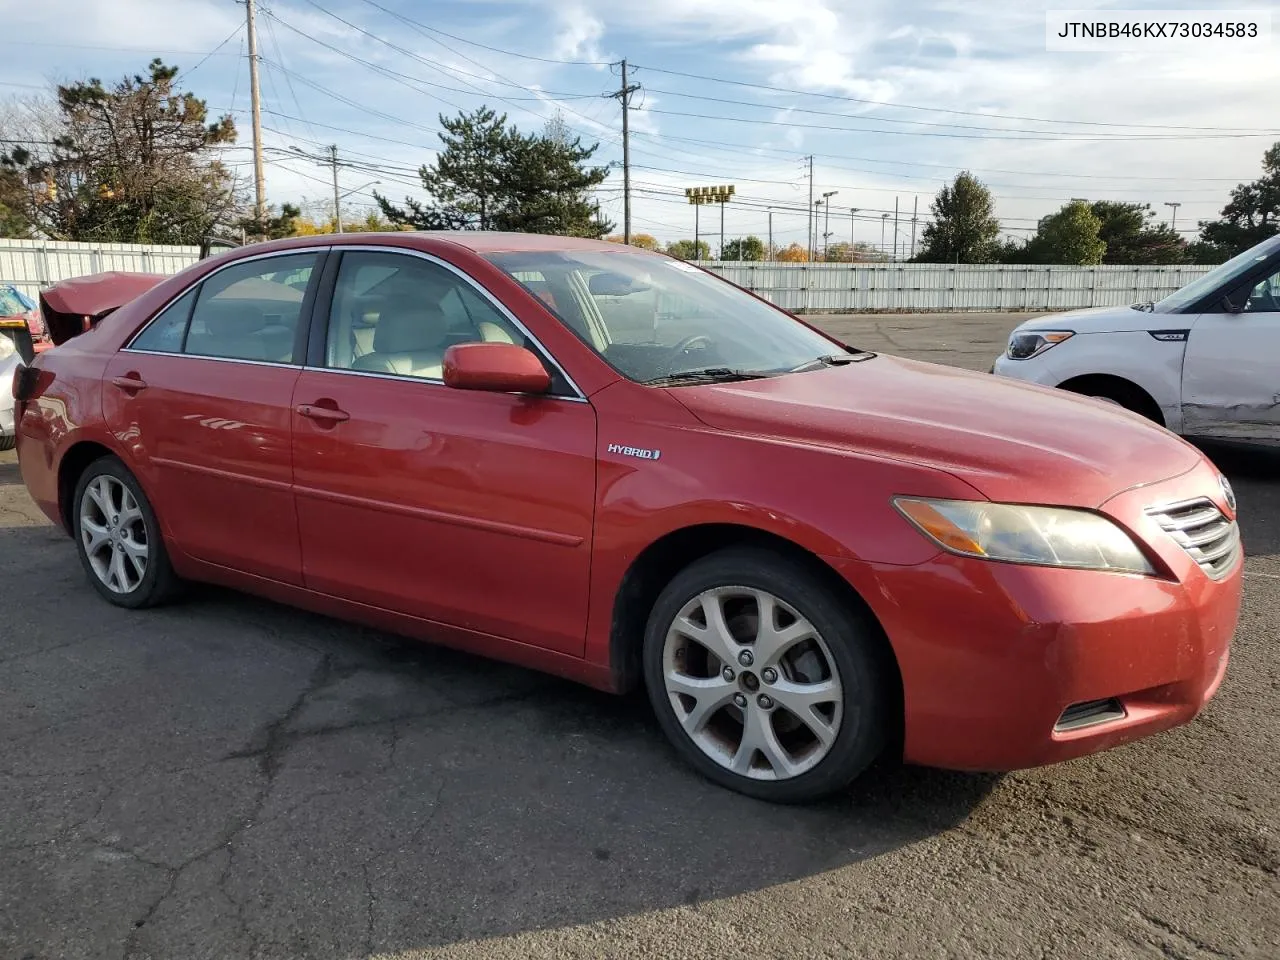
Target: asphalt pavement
227, 778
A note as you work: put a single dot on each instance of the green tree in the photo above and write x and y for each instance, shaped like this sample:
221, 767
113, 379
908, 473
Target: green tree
845, 253
964, 227
744, 248
489, 176
131, 163
1251, 215
685, 250
1132, 237
1069, 236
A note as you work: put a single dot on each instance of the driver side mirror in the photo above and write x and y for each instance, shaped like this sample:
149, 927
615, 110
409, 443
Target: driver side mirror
495, 368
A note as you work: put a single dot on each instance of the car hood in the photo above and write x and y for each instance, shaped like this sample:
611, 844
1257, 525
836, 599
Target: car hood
1013, 441
1101, 320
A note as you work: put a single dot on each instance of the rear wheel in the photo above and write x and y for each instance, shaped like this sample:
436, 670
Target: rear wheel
763, 678
8, 443
118, 537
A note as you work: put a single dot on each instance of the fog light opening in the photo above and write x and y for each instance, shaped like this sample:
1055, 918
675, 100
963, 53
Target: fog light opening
1089, 713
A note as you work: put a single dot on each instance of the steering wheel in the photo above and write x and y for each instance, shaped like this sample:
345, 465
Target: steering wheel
684, 346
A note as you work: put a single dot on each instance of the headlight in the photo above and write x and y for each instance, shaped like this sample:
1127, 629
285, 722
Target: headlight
7, 349
1024, 346
1048, 536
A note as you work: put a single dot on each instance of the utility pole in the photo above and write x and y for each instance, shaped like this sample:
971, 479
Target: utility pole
1173, 225
769, 254
915, 210
624, 95
259, 182
895, 228
883, 218
697, 208
337, 209
811, 207
853, 229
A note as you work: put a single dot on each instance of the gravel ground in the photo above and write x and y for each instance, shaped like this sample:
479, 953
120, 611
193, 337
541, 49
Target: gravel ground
229, 778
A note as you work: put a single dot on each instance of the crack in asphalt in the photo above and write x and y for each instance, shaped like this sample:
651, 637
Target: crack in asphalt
1171, 930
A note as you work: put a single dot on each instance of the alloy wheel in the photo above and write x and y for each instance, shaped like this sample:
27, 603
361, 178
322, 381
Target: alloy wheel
114, 534
752, 683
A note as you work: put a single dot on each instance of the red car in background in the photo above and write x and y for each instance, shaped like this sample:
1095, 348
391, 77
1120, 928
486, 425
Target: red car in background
617, 467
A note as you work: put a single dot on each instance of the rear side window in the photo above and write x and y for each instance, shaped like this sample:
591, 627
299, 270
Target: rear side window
164, 333
251, 311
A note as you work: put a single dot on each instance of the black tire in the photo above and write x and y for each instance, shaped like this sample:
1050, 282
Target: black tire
855, 646
8, 443
159, 584
1119, 392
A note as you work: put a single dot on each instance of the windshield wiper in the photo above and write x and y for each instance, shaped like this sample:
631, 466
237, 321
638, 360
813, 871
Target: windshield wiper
705, 375
833, 360
1147, 305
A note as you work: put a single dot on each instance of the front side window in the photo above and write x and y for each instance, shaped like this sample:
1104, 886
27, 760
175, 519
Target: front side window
251, 311
1219, 276
1265, 296
657, 319
398, 314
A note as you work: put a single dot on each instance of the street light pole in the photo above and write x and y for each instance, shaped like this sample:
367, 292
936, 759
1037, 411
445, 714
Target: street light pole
770, 253
1173, 225
826, 221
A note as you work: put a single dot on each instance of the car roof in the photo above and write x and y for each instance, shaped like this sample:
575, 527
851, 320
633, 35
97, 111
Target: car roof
478, 241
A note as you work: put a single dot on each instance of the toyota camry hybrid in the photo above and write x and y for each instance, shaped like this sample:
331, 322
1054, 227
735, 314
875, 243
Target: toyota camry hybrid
614, 466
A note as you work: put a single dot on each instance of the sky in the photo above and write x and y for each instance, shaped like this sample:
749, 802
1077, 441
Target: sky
890, 99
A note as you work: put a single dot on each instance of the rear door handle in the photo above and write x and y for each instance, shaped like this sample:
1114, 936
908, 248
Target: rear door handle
133, 384
323, 414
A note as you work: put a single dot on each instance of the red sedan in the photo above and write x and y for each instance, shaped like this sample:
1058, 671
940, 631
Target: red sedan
614, 466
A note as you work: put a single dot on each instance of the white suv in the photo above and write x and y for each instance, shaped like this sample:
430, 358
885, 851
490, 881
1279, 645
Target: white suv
1204, 361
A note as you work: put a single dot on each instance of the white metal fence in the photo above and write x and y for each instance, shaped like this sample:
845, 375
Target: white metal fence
819, 287
31, 265
853, 288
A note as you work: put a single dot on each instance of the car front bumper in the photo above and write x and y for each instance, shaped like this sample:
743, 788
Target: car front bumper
993, 655
7, 367
1035, 370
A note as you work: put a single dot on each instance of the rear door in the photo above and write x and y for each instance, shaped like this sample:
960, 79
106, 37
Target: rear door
201, 398
467, 508
1231, 369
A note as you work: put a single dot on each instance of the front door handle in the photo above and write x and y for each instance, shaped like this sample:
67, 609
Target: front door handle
322, 414
131, 384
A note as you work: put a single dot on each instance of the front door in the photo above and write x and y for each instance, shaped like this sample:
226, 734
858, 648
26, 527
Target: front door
1231, 370
202, 398
467, 508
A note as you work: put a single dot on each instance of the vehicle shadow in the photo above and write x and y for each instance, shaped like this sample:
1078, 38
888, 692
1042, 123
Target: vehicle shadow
267, 780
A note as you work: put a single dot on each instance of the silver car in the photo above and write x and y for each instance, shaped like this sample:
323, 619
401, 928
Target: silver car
9, 362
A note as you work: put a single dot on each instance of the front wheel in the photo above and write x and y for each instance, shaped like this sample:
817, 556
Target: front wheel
118, 538
764, 679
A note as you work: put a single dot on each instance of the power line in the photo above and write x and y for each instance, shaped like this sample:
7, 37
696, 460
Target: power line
474, 43
909, 106
960, 136
847, 116
727, 147
231, 36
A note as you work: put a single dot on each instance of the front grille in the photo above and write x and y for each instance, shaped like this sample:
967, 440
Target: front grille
1200, 528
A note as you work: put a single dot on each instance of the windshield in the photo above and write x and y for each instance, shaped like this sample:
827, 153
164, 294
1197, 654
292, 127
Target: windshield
1218, 276
654, 318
